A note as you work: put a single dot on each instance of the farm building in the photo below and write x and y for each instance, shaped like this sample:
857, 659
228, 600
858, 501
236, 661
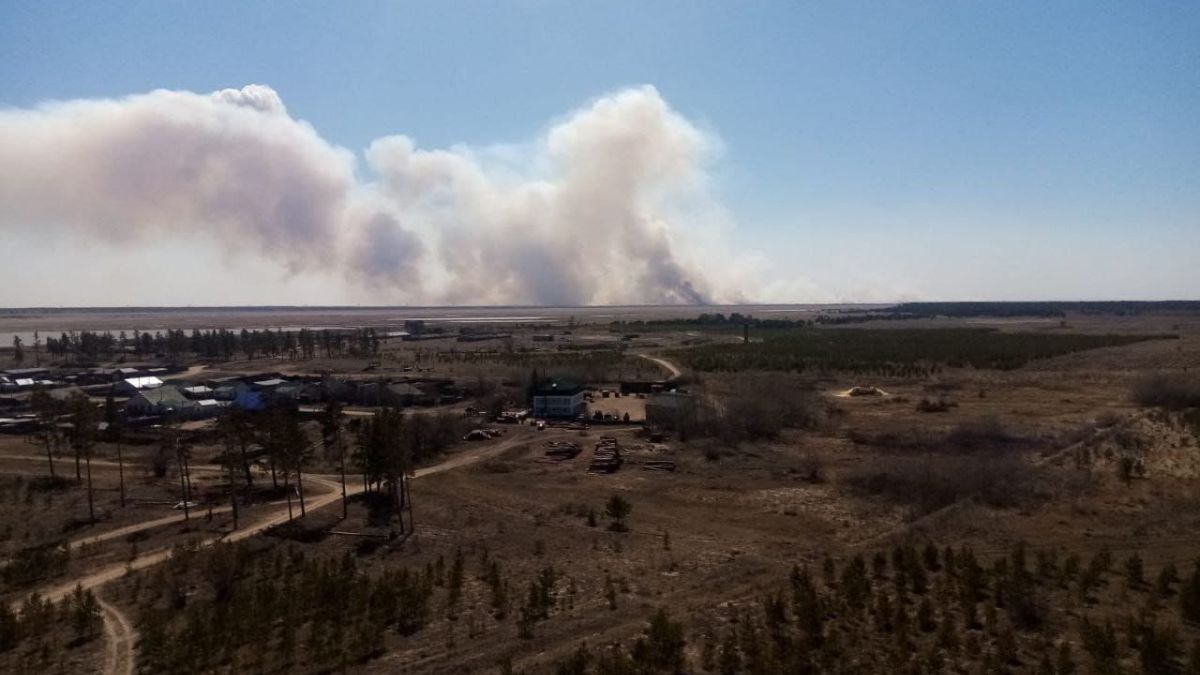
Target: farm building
130, 386
197, 392
558, 398
160, 401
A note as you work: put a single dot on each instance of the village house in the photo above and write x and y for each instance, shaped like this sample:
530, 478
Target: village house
163, 400
558, 398
130, 386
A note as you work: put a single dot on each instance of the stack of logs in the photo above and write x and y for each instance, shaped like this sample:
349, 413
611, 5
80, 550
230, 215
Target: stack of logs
562, 450
606, 457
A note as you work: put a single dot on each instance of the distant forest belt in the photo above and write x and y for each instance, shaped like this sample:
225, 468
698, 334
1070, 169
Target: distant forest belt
898, 352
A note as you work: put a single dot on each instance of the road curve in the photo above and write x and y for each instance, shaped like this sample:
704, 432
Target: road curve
670, 366
120, 634
121, 638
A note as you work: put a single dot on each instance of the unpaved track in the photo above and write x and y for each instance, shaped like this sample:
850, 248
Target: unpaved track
121, 638
670, 366
118, 630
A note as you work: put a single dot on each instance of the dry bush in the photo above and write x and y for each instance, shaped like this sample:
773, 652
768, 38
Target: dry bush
986, 433
812, 467
930, 483
1171, 391
926, 405
756, 408
908, 438
983, 433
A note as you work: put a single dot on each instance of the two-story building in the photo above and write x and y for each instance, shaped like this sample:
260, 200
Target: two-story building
558, 398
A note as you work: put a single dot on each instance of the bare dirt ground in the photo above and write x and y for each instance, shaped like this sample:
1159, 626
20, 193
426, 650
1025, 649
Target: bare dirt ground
711, 536
120, 635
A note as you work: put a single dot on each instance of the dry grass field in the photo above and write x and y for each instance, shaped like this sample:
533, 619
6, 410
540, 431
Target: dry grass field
965, 520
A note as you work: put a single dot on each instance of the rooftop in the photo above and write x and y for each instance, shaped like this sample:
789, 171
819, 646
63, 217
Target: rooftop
168, 396
274, 382
147, 382
557, 387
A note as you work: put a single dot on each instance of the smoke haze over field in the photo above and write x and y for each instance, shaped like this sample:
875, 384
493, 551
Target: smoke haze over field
611, 204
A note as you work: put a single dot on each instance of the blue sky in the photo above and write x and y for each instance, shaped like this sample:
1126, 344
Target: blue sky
884, 150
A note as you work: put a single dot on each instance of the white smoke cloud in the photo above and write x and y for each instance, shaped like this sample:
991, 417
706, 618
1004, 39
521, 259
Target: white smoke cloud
606, 206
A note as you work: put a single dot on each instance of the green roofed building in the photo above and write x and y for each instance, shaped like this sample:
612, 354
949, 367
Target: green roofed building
558, 398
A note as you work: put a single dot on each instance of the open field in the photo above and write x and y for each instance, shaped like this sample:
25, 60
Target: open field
1024, 499
52, 321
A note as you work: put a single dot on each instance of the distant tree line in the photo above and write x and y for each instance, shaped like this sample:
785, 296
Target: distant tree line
217, 344
1041, 309
894, 352
733, 322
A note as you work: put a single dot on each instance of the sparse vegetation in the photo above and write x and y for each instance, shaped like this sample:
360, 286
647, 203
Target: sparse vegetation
893, 352
513, 556
928, 483
1170, 391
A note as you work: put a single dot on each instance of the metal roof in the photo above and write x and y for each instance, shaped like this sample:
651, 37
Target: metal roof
147, 382
275, 382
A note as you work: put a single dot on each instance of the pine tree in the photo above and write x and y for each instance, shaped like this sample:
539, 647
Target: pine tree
83, 439
708, 650
930, 558
454, 596
45, 407
1134, 571
1006, 646
1193, 664
925, 621
730, 660
576, 663
116, 431
617, 509
663, 644
1167, 576
1189, 596
10, 628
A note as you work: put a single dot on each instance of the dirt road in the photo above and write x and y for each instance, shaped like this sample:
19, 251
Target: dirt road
121, 638
669, 366
119, 631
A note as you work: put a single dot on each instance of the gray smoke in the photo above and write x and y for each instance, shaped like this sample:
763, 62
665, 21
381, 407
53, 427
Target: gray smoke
598, 209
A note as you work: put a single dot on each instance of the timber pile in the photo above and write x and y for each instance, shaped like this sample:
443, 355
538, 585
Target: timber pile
658, 465
562, 450
606, 457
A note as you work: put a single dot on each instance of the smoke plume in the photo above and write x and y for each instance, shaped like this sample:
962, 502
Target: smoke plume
605, 207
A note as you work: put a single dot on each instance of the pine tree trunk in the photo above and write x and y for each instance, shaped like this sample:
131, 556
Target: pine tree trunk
91, 500
246, 466
50, 456
121, 473
408, 505
288, 491
183, 490
300, 488
187, 472
232, 494
345, 501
